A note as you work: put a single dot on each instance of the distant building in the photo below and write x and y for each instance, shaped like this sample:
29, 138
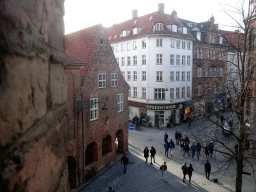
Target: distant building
99, 128
155, 55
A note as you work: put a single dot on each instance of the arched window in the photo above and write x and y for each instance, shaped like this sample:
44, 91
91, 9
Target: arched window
106, 145
91, 153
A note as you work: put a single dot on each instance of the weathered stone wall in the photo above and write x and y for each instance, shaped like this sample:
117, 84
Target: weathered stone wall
33, 94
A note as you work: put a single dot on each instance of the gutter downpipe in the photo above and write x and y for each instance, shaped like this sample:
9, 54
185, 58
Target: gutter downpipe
83, 131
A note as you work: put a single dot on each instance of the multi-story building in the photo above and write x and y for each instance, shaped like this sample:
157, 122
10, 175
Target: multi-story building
155, 54
97, 104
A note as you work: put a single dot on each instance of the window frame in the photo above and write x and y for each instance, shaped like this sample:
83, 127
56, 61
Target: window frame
144, 59
103, 80
94, 109
135, 60
172, 60
120, 102
159, 94
135, 76
159, 59
144, 75
114, 80
159, 75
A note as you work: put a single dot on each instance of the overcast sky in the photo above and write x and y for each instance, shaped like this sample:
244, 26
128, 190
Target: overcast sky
80, 14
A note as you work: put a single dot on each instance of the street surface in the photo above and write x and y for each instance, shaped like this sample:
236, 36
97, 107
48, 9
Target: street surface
145, 177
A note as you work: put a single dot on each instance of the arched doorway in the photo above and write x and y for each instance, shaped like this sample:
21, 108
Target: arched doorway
106, 145
119, 141
72, 171
91, 153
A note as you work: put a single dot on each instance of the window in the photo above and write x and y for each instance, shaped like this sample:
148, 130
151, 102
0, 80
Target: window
183, 92
221, 71
159, 42
211, 72
124, 33
144, 45
134, 45
128, 46
134, 75
172, 76
94, 109
183, 61
102, 80
122, 47
122, 61
211, 55
221, 57
159, 94
113, 79
183, 76
211, 38
123, 74
214, 71
128, 61
112, 48
188, 91
134, 91
135, 60
144, 60
129, 92
199, 71
199, 53
178, 44
172, 43
174, 28
188, 75
177, 75
183, 44
251, 40
128, 75
135, 31
172, 59
188, 60
159, 26
120, 102
117, 48
177, 93
171, 93
159, 76
177, 59
199, 90
117, 60
144, 93
189, 45
159, 59
144, 76
206, 72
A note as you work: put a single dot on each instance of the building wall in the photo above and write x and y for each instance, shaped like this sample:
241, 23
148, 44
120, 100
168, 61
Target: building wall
33, 96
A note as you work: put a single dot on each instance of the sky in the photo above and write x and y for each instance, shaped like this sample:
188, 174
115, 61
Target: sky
80, 14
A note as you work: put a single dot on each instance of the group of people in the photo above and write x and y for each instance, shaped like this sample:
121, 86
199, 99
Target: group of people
152, 154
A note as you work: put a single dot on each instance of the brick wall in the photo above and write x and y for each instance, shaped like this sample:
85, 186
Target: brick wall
33, 94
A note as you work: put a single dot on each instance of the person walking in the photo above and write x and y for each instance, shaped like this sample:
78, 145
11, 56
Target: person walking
165, 137
211, 148
186, 149
198, 149
160, 124
171, 146
177, 137
187, 139
190, 170
206, 151
166, 147
207, 169
125, 162
164, 170
152, 154
184, 169
110, 189
193, 149
181, 143
146, 153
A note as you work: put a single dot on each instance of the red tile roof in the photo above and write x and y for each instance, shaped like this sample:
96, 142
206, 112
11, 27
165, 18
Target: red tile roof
146, 23
80, 46
72, 60
234, 39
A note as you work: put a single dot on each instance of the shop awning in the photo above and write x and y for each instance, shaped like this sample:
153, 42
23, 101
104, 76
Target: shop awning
188, 104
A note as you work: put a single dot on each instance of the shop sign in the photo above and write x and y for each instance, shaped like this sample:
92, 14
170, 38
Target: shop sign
161, 107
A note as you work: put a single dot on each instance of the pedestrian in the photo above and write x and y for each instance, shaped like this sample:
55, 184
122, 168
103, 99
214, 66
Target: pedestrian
211, 147
222, 119
190, 170
160, 124
184, 169
193, 149
171, 146
187, 139
164, 170
125, 162
207, 169
198, 149
206, 150
146, 153
186, 149
177, 137
181, 143
152, 154
166, 147
165, 137
110, 189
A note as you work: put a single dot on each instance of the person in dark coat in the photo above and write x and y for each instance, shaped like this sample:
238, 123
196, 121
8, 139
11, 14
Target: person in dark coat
190, 170
206, 150
165, 137
166, 147
181, 143
171, 147
211, 148
124, 161
186, 149
207, 169
184, 169
177, 137
193, 149
198, 149
152, 154
187, 139
146, 153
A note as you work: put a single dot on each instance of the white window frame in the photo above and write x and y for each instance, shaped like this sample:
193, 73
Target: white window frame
128, 75
183, 61
144, 45
144, 75
177, 59
159, 75
177, 92
122, 47
134, 45
159, 42
102, 80
122, 61
188, 45
183, 76
128, 46
120, 102
183, 92
172, 58
171, 93
178, 44
188, 60
135, 76
128, 61
172, 76
183, 44
159, 26
123, 74
144, 59
135, 92
188, 92
159, 94
177, 76
94, 109
134, 60
114, 80
159, 59
188, 75
172, 43
199, 71
144, 92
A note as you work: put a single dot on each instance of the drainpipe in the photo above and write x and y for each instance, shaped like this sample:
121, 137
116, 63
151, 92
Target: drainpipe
83, 131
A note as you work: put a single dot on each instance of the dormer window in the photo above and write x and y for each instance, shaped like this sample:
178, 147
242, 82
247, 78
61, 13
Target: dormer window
211, 38
124, 33
198, 35
184, 30
135, 30
159, 26
101, 41
221, 40
174, 28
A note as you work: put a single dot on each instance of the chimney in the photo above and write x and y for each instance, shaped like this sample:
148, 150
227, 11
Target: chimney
134, 14
161, 7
